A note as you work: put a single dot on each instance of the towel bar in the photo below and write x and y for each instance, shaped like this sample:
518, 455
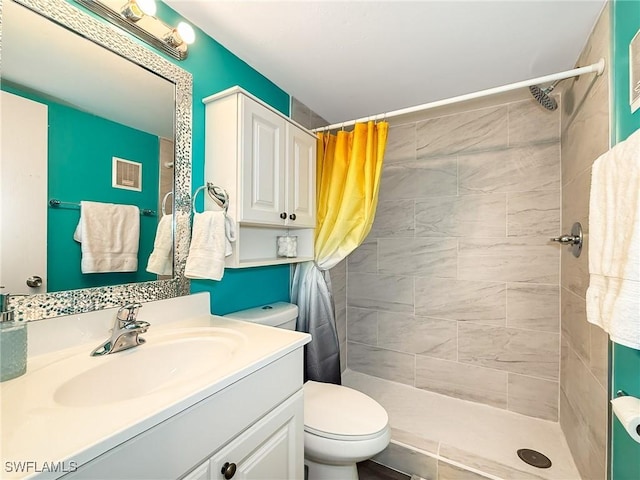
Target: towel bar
55, 203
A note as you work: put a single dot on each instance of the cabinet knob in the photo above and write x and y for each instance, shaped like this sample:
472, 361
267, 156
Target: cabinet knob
283, 215
292, 216
228, 470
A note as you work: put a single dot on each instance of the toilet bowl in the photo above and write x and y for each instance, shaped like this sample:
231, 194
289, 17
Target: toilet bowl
342, 426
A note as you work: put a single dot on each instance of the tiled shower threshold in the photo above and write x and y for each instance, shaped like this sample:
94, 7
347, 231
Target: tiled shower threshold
437, 437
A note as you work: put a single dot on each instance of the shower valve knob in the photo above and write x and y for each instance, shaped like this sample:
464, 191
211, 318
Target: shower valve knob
567, 239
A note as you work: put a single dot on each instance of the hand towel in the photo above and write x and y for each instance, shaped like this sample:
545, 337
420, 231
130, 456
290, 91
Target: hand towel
230, 235
208, 246
161, 258
109, 235
613, 296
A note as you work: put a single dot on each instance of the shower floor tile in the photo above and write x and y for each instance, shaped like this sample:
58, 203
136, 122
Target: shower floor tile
476, 435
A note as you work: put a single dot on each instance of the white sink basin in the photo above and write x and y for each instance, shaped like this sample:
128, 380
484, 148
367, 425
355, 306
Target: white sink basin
165, 360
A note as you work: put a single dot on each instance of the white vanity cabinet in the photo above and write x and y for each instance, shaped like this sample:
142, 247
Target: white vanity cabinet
255, 426
267, 164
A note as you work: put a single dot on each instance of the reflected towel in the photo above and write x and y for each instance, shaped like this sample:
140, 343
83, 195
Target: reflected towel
109, 235
208, 246
613, 296
161, 258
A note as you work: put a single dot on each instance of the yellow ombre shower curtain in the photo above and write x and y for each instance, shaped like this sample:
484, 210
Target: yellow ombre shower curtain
349, 166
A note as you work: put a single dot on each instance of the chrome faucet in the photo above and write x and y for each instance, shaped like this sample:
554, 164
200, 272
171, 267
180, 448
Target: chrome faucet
124, 334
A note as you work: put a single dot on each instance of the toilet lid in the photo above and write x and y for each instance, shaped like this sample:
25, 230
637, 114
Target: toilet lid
334, 410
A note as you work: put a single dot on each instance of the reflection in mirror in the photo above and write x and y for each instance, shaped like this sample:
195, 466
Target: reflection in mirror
81, 122
96, 106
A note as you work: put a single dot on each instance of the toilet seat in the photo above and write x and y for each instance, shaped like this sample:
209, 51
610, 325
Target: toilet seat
342, 413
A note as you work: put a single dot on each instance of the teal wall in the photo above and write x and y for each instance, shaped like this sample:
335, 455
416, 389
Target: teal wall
214, 68
625, 463
80, 151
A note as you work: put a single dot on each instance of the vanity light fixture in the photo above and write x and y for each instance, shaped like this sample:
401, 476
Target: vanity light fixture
138, 18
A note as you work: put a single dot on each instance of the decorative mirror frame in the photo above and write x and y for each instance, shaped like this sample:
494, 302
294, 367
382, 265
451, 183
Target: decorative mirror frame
54, 304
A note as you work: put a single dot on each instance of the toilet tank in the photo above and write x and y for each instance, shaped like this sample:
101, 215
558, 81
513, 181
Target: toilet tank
279, 314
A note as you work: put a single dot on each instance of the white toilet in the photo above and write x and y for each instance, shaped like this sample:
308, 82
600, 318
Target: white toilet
341, 426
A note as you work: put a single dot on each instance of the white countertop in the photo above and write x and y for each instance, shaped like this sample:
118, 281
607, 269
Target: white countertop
37, 428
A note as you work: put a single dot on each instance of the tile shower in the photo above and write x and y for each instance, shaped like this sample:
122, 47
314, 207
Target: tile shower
457, 289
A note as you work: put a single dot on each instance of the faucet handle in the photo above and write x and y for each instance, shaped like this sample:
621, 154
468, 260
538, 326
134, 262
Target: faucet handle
131, 311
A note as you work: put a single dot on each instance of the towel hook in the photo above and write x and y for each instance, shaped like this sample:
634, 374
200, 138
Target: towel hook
574, 240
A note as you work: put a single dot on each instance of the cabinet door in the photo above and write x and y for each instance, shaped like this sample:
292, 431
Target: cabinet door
199, 473
263, 164
301, 174
272, 449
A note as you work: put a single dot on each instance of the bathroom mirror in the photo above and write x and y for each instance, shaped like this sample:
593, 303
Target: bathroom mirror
147, 106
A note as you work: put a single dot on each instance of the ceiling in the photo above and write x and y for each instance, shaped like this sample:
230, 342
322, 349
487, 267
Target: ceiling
350, 59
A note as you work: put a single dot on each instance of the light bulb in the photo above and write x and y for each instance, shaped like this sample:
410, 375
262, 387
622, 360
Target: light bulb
186, 32
148, 7
135, 10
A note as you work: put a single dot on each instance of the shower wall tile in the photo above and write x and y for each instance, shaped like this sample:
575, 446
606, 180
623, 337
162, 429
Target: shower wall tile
460, 241
529, 122
532, 260
583, 384
574, 323
395, 366
480, 302
401, 144
465, 216
383, 292
423, 178
394, 218
418, 256
362, 326
510, 349
587, 135
534, 307
575, 271
469, 131
522, 169
580, 385
533, 396
468, 382
575, 201
501, 268
533, 214
364, 259
599, 355
421, 335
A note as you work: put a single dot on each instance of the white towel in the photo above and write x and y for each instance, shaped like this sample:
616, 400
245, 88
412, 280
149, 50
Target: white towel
161, 258
613, 296
208, 246
109, 235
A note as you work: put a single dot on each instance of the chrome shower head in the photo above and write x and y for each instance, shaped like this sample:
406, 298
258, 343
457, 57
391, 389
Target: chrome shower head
542, 96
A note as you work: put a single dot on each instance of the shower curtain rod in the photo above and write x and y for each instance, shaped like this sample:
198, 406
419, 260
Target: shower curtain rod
597, 67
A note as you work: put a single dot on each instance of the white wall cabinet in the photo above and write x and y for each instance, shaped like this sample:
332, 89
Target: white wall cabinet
267, 164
